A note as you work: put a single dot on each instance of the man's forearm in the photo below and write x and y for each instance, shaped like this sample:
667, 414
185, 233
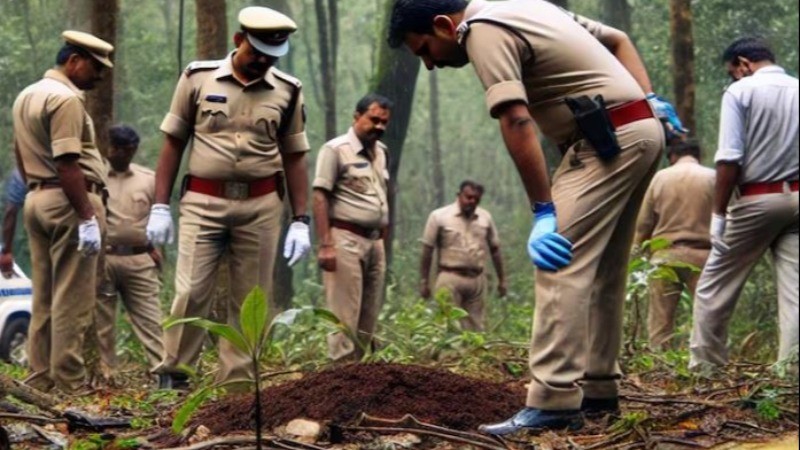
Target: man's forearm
73, 183
169, 161
425, 263
497, 260
727, 179
9, 226
519, 134
621, 46
296, 170
321, 220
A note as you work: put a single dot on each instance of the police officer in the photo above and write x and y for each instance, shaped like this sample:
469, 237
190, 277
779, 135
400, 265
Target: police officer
351, 215
676, 207
463, 234
64, 214
543, 65
131, 264
246, 120
15, 191
756, 201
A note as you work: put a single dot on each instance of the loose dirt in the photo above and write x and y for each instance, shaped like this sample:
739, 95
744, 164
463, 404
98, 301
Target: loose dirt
341, 394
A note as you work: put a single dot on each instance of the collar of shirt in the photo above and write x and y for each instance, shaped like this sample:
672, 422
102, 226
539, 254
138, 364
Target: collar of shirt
113, 173
687, 159
459, 213
225, 70
358, 146
57, 75
473, 8
772, 68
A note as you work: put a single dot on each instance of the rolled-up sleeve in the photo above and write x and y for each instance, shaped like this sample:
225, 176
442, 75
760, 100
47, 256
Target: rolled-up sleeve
497, 56
327, 170
431, 231
66, 127
295, 140
179, 121
731, 129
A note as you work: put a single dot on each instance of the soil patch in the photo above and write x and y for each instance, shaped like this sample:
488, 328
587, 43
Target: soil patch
341, 394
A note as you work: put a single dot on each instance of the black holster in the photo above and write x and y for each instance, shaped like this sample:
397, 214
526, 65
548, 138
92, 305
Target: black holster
595, 125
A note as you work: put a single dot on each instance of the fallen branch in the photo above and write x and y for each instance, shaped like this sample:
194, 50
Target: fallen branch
754, 426
31, 418
613, 439
412, 423
444, 436
238, 441
672, 440
674, 401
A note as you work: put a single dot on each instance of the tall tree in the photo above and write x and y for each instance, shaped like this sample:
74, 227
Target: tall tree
682, 42
212, 29
328, 39
100, 100
396, 78
617, 13
437, 172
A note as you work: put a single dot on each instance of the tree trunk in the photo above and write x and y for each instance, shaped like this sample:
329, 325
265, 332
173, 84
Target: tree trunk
617, 13
436, 146
212, 29
396, 78
327, 65
100, 100
680, 24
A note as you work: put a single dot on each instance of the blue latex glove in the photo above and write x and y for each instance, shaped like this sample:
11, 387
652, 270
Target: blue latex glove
667, 114
548, 250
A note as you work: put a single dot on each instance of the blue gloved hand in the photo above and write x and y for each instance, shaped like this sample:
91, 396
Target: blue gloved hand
548, 250
667, 114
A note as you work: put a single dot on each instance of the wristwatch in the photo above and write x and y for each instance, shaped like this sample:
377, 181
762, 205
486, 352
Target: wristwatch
302, 218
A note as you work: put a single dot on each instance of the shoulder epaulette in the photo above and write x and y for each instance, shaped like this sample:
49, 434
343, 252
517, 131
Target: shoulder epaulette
196, 66
287, 78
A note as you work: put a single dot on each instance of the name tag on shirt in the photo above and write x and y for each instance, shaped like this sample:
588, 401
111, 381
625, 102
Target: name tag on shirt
216, 98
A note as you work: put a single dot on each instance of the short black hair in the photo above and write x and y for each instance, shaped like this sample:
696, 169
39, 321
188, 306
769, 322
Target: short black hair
68, 50
471, 184
363, 105
123, 136
688, 147
416, 16
753, 48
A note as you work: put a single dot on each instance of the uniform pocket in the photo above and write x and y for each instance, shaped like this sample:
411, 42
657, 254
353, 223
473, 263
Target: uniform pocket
213, 116
267, 122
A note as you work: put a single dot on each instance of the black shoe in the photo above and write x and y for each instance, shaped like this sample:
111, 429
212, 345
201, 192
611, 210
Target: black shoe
177, 381
600, 406
533, 419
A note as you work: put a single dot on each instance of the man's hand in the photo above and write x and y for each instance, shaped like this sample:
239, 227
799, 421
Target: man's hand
502, 290
424, 289
160, 229
6, 264
667, 114
89, 237
326, 257
298, 242
547, 249
717, 231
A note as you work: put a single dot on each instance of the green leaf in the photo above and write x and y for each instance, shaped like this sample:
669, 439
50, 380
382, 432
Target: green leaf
227, 332
253, 316
189, 407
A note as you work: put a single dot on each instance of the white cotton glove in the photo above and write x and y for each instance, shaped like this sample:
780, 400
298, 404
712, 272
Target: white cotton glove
89, 239
298, 242
717, 231
160, 229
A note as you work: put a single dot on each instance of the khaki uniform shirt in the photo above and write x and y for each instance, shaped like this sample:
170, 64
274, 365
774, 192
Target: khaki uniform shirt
678, 205
130, 195
50, 120
462, 243
357, 179
540, 54
239, 130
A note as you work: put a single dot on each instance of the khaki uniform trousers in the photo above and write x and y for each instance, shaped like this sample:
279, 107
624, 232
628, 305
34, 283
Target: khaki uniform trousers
354, 290
754, 224
577, 324
467, 294
64, 283
248, 230
665, 295
135, 279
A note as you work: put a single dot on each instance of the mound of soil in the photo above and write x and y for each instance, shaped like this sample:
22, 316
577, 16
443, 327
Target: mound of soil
388, 391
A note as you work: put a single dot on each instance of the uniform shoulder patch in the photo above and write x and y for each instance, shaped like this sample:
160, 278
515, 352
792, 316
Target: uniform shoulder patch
287, 78
196, 66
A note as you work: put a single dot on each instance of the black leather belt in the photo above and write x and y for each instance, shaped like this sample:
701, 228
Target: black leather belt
127, 250
91, 186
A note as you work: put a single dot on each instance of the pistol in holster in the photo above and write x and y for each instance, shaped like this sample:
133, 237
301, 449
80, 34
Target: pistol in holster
595, 125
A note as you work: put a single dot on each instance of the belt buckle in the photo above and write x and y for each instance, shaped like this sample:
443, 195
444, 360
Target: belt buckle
236, 190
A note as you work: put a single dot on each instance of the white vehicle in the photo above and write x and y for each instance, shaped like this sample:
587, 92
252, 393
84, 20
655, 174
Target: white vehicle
15, 315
